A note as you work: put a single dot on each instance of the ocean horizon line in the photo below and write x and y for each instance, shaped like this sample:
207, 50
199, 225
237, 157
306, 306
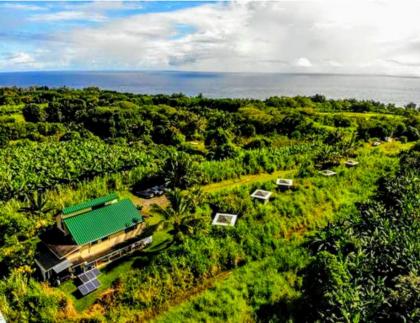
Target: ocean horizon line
215, 72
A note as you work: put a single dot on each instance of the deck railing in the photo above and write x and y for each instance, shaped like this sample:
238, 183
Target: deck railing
118, 253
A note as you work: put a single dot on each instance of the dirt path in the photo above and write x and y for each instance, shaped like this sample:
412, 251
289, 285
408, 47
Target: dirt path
147, 203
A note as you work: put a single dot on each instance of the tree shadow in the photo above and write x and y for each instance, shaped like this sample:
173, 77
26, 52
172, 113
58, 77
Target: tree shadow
109, 267
144, 258
165, 244
150, 230
77, 294
281, 311
141, 256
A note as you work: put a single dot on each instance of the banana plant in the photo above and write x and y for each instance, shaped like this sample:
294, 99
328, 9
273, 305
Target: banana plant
36, 203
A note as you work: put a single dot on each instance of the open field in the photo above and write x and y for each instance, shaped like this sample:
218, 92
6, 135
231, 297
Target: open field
316, 210
365, 115
246, 180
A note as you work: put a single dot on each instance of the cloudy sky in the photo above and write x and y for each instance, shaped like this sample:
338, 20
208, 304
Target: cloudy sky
367, 37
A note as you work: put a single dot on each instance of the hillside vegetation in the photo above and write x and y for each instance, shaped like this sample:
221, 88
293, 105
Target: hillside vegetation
341, 249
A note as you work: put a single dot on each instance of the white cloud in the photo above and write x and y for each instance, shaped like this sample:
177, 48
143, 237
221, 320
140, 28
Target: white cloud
101, 5
20, 58
409, 62
303, 62
78, 10
19, 61
68, 15
314, 36
21, 6
334, 63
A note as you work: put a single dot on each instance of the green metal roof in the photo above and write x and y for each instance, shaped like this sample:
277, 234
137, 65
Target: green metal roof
102, 222
90, 203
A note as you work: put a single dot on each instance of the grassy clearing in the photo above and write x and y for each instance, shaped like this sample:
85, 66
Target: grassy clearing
17, 117
315, 201
394, 147
246, 180
366, 115
233, 299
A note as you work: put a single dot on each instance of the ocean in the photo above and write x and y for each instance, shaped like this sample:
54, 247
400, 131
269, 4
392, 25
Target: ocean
387, 89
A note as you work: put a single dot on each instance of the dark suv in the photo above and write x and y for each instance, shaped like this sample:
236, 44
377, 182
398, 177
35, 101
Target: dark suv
150, 192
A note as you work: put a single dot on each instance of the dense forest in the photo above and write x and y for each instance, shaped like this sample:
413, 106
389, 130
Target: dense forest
344, 248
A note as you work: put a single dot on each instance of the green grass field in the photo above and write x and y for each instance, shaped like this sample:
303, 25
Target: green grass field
366, 115
316, 209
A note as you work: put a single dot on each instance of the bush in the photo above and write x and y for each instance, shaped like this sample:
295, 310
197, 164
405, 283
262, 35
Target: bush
341, 121
69, 136
296, 135
306, 169
259, 143
34, 113
224, 151
248, 130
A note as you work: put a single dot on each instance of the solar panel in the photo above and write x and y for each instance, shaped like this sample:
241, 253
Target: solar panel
89, 287
89, 275
83, 278
95, 283
83, 290
96, 271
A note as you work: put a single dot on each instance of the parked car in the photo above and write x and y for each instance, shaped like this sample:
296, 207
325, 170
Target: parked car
147, 194
157, 190
151, 192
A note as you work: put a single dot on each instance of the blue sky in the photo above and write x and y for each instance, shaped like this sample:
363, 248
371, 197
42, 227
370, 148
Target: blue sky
23, 23
239, 36
28, 27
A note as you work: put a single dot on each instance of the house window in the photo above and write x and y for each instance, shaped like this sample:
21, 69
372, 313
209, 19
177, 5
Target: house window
94, 242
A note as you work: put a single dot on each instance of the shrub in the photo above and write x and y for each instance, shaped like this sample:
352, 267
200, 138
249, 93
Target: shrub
259, 143
247, 130
34, 113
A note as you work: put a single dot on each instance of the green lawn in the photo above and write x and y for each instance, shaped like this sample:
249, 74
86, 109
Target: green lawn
108, 275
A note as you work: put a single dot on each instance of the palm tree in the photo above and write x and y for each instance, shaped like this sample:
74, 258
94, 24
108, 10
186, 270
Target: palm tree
179, 171
179, 213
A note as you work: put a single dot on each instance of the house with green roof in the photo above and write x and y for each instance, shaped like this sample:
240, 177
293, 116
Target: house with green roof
90, 234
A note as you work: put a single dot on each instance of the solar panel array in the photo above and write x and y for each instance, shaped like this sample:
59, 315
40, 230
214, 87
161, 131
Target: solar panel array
89, 275
89, 287
89, 281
